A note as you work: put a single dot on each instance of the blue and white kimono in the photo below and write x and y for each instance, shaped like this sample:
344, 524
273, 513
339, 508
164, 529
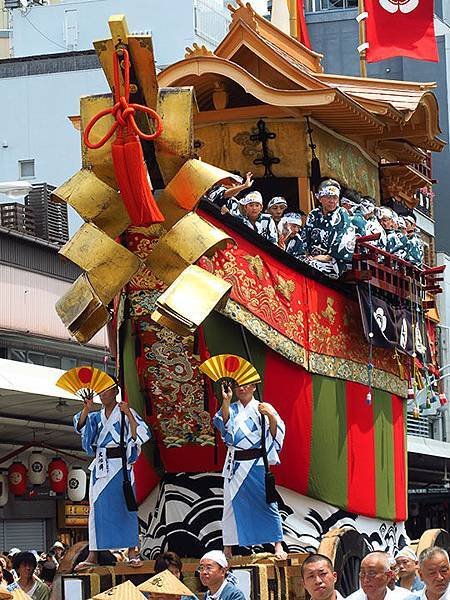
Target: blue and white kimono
247, 518
111, 525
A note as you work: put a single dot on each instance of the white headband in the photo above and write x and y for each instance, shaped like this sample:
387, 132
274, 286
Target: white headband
217, 556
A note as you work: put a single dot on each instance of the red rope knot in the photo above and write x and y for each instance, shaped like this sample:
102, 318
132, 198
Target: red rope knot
122, 111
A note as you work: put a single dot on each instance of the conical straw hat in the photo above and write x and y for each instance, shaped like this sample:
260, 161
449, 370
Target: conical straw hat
165, 583
124, 591
19, 594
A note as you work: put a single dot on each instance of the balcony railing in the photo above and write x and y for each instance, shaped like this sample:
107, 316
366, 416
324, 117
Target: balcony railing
420, 427
211, 20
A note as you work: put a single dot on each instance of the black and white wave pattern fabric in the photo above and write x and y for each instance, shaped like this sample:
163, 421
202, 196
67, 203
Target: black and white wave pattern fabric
184, 512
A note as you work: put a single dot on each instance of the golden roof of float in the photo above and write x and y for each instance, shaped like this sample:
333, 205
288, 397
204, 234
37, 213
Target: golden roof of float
257, 65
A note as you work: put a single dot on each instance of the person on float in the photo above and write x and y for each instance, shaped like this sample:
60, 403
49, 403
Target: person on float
25, 564
290, 237
276, 208
248, 519
389, 221
434, 570
214, 575
252, 205
415, 252
319, 578
408, 564
351, 202
368, 210
111, 525
225, 195
328, 233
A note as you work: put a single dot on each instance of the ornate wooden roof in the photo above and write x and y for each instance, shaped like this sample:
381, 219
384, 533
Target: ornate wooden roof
264, 72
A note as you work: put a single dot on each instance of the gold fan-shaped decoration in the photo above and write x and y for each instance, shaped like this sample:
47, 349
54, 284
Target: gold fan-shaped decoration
230, 366
85, 381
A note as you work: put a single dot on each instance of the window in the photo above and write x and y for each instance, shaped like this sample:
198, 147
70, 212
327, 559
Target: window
319, 5
26, 169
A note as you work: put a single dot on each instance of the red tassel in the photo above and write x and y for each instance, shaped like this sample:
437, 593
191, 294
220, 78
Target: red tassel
144, 211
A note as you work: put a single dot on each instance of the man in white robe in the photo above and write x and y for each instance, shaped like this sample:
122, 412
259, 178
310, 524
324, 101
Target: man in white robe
111, 525
247, 518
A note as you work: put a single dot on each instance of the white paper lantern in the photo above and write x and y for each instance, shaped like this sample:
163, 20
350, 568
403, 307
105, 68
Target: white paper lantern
37, 468
3, 489
76, 484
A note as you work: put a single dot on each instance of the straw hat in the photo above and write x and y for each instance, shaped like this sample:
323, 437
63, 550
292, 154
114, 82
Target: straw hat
19, 594
165, 583
124, 591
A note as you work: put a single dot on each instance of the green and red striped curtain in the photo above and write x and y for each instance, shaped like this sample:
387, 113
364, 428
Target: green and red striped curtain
338, 449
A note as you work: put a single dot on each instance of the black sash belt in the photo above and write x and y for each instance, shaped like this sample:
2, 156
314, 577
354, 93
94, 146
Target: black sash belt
113, 452
248, 454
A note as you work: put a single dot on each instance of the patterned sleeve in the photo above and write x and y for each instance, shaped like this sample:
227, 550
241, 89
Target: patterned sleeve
88, 432
281, 430
305, 232
226, 430
273, 232
343, 242
143, 434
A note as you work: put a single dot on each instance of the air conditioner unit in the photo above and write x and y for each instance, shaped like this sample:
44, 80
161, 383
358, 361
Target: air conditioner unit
9, 4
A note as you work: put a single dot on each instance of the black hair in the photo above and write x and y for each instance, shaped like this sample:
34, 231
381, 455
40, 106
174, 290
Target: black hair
166, 560
315, 558
352, 195
48, 570
24, 558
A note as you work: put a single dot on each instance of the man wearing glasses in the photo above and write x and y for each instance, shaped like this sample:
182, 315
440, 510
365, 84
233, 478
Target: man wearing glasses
375, 577
434, 570
248, 520
213, 571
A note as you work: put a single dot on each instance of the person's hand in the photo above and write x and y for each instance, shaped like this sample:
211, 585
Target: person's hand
248, 180
322, 258
224, 210
125, 408
227, 393
265, 409
88, 402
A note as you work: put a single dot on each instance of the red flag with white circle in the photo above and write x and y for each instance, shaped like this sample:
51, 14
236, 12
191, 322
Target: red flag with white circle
400, 28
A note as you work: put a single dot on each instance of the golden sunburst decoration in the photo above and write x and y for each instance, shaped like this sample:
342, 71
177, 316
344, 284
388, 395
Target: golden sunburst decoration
230, 366
85, 381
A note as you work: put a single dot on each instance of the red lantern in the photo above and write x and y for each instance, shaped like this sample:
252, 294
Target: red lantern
17, 478
57, 473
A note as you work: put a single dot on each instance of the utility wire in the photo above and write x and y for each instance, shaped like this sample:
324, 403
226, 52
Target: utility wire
43, 34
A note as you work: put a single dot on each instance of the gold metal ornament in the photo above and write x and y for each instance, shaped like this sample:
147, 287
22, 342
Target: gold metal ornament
174, 146
95, 202
189, 239
190, 299
82, 311
109, 265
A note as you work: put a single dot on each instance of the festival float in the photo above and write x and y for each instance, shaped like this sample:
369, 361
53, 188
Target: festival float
176, 282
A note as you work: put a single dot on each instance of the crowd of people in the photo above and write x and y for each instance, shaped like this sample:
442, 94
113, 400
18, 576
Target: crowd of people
30, 571
325, 239
381, 577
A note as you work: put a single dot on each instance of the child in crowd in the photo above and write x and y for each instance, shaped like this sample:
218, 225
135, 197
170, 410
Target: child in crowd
263, 224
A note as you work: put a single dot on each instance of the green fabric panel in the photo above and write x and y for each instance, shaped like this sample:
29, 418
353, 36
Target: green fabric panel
328, 465
384, 454
223, 336
135, 395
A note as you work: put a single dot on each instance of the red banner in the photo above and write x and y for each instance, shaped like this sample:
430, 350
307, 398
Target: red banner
400, 28
302, 29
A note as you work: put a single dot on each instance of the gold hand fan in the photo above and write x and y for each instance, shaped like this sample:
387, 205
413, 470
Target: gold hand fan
85, 381
230, 366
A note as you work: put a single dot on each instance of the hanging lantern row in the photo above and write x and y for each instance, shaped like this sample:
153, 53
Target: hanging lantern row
60, 478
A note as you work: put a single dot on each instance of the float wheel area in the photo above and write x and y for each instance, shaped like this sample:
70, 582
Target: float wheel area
345, 548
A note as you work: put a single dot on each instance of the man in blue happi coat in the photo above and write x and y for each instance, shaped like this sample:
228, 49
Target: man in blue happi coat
247, 518
111, 525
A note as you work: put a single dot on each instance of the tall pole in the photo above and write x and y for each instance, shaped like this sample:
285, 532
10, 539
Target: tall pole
292, 5
362, 39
